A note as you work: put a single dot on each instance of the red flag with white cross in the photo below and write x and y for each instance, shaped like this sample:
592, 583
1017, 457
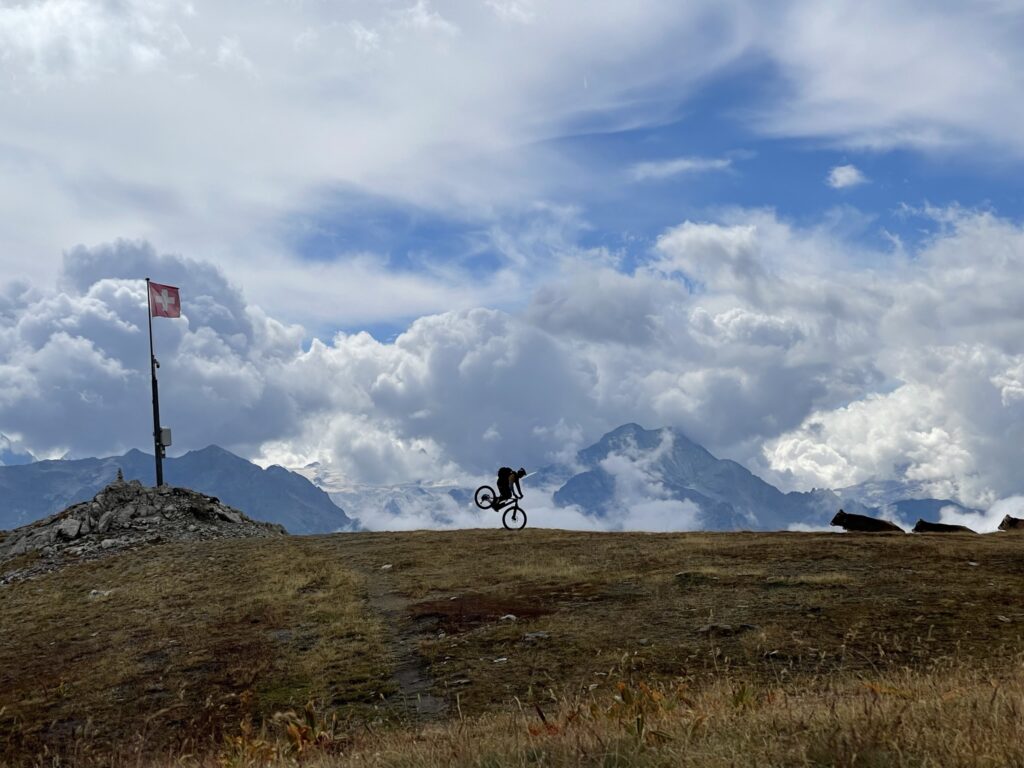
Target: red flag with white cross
164, 301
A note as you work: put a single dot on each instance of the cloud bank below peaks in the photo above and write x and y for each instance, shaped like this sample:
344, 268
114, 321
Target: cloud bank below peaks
811, 361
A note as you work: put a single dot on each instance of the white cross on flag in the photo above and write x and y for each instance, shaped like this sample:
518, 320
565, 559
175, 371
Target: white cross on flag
164, 301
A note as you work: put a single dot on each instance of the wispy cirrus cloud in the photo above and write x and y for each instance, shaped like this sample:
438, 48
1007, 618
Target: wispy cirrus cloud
677, 166
144, 119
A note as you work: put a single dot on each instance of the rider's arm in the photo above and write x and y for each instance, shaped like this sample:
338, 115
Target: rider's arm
517, 491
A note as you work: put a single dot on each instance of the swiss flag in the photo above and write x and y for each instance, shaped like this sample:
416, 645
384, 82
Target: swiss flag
164, 301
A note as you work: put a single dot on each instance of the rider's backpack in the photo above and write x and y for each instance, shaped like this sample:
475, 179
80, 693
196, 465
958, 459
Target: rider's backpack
504, 473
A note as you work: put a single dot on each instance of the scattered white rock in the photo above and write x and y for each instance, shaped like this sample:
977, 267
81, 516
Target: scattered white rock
387, 567
509, 617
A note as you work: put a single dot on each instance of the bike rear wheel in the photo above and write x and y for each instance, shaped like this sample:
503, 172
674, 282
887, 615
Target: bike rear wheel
514, 519
484, 497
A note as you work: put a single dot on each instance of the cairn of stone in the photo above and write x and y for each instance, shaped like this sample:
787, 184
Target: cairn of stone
124, 515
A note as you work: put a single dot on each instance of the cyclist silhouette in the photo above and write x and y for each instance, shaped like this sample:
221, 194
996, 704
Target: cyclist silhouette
506, 501
508, 485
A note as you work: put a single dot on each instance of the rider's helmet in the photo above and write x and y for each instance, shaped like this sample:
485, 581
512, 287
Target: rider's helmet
521, 472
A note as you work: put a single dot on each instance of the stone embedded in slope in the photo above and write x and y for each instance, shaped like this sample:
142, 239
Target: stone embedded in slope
69, 527
125, 515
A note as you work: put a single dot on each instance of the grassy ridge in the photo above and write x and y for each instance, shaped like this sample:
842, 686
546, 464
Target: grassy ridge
648, 648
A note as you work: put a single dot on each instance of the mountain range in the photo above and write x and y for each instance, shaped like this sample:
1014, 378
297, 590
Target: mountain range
625, 469
11, 455
631, 464
729, 496
32, 491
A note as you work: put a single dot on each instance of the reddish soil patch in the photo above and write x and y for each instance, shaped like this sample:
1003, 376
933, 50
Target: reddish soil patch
467, 611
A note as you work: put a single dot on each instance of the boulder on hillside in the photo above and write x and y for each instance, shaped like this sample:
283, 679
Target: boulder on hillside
124, 515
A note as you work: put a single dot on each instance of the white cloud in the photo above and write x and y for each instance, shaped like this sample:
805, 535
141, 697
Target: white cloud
987, 521
640, 501
124, 119
230, 55
130, 119
521, 11
898, 74
367, 40
843, 176
80, 40
423, 17
664, 169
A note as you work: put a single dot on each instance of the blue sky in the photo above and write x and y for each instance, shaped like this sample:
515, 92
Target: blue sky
414, 236
614, 210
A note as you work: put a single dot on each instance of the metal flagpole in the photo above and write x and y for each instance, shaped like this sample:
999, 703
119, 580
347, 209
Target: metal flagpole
153, 365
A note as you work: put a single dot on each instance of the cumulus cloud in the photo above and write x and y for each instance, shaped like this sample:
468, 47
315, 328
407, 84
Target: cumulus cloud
987, 521
78, 362
763, 341
843, 176
945, 405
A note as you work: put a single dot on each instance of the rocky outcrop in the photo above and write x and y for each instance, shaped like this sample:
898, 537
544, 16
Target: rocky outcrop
124, 515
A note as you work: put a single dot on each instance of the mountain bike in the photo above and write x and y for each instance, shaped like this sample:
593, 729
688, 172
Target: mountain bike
513, 517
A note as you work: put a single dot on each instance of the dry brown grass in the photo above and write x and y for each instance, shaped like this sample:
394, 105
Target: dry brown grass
164, 645
794, 649
947, 717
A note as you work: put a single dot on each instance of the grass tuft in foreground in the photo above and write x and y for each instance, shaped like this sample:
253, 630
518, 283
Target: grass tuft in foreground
941, 718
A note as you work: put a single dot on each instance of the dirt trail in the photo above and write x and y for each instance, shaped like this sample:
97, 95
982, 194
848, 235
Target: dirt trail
411, 672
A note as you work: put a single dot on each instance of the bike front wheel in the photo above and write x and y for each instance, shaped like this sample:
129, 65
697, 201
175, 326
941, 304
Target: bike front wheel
484, 497
514, 519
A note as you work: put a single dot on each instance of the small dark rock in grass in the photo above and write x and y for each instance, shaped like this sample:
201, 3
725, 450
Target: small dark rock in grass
724, 630
694, 578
